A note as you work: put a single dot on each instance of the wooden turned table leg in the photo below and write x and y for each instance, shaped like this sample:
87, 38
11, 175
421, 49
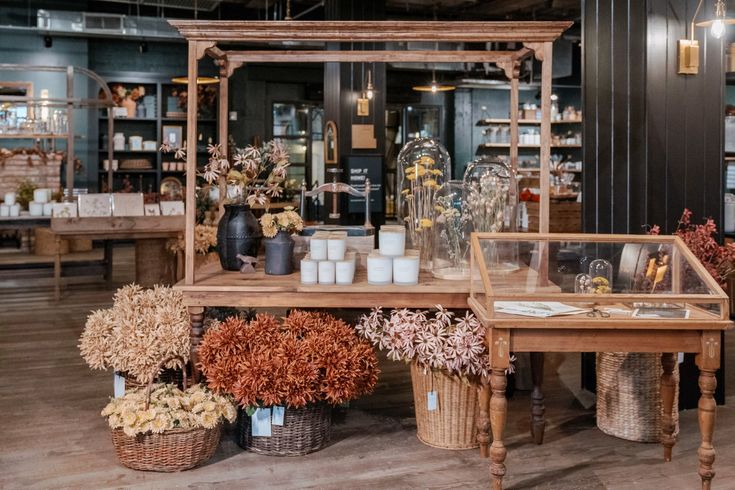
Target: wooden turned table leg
196, 316
107, 258
668, 387
57, 269
498, 414
483, 421
708, 361
538, 409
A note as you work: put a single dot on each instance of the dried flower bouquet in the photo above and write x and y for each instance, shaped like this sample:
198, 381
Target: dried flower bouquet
486, 202
287, 220
419, 203
305, 358
142, 327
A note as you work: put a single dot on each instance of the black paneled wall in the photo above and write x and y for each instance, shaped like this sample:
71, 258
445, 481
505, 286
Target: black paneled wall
652, 138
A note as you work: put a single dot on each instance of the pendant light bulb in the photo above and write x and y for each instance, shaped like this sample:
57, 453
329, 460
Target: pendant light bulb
717, 29
370, 92
434, 87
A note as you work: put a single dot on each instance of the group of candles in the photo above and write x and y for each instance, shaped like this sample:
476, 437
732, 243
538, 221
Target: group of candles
41, 204
9, 207
391, 262
328, 261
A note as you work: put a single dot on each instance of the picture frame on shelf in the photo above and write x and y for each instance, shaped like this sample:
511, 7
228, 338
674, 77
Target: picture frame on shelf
64, 210
172, 208
95, 205
172, 135
127, 204
152, 209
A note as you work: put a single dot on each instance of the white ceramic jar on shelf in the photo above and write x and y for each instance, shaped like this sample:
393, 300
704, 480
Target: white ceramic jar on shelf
318, 246
345, 270
406, 269
4, 210
9, 198
15, 210
41, 196
336, 246
326, 272
35, 208
379, 269
392, 240
309, 271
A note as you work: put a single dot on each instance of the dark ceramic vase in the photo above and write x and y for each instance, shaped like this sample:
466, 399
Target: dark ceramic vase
279, 254
238, 232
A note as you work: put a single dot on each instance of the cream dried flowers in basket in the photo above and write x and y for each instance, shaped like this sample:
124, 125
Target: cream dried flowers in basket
142, 327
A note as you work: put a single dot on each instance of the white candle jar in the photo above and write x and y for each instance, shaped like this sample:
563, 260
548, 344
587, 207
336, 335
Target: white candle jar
318, 247
4, 210
392, 240
345, 270
9, 198
379, 269
15, 210
48, 209
326, 272
41, 196
406, 270
35, 208
336, 246
309, 271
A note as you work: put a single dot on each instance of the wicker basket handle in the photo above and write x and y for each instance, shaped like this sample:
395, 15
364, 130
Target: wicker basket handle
157, 370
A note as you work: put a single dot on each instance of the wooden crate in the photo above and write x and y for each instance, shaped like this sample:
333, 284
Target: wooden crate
564, 216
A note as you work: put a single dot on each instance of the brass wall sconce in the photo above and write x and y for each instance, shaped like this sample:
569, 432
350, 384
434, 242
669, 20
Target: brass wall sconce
688, 49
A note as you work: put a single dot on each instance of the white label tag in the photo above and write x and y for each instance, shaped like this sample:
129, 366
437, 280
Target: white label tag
680, 357
432, 402
260, 422
118, 384
279, 414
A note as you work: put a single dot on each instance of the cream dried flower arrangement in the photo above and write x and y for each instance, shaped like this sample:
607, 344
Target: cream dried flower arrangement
142, 327
288, 220
170, 408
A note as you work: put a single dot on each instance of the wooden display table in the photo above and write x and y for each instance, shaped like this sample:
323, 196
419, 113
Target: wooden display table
149, 232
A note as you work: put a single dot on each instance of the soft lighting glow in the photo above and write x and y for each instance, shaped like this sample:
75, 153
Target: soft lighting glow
434, 87
200, 80
718, 28
370, 93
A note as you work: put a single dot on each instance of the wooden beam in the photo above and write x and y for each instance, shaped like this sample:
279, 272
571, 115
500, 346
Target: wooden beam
191, 161
372, 56
546, 74
370, 31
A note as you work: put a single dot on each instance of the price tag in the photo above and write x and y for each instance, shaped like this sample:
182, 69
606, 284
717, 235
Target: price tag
680, 357
432, 401
260, 422
278, 415
118, 383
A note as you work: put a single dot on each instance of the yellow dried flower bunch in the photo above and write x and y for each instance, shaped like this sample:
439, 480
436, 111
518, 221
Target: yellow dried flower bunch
170, 408
288, 220
205, 240
142, 327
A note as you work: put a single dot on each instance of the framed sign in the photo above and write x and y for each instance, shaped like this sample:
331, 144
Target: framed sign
358, 169
331, 152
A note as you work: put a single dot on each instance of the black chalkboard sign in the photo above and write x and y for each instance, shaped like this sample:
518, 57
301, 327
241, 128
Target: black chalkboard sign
357, 170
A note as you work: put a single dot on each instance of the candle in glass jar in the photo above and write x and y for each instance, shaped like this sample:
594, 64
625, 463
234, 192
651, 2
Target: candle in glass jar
9, 198
392, 240
336, 246
4, 210
326, 272
41, 196
15, 210
318, 247
406, 270
35, 208
309, 271
379, 269
345, 270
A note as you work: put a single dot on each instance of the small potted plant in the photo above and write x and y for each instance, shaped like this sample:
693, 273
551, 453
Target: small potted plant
448, 361
163, 428
278, 228
286, 375
142, 327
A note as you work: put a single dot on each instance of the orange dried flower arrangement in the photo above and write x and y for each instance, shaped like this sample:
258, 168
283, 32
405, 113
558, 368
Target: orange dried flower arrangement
307, 357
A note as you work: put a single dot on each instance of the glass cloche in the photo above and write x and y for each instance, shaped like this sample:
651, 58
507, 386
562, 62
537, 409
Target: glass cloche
424, 166
491, 205
451, 232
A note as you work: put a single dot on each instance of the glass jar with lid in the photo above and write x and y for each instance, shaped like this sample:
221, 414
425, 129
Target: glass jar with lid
451, 232
490, 189
424, 166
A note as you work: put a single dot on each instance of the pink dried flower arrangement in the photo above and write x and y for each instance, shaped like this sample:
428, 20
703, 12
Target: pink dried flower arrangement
719, 260
439, 341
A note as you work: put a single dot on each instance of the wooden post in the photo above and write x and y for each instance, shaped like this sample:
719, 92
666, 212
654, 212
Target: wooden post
538, 409
668, 387
70, 134
110, 122
545, 57
57, 269
191, 161
222, 115
708, 361
514, 89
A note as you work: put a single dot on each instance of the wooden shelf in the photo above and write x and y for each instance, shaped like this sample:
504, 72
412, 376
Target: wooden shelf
132, 119
132, 151
131, 171
183, 119
487, 122
24, 136
507, 145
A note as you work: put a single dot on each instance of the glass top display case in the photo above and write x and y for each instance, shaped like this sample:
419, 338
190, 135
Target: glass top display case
606, 280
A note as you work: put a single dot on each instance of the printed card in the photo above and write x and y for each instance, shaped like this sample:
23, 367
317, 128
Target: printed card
260, 422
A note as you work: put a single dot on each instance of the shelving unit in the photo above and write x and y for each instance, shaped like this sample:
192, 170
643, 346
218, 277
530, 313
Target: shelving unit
151, 128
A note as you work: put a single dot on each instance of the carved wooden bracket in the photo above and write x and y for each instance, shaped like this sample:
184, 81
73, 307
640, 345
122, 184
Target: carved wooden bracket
202, 47
537, 48
512, 69
227, 67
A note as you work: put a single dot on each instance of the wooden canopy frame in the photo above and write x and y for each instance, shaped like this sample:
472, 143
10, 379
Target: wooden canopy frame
207, 37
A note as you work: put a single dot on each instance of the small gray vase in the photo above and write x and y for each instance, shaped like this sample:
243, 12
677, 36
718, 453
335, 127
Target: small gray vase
279, 254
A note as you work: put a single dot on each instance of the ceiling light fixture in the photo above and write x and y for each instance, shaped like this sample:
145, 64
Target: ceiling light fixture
370, 92
200, 80
434, 86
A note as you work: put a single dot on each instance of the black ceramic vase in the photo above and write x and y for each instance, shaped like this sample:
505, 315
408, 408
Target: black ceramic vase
238, 232
279, 254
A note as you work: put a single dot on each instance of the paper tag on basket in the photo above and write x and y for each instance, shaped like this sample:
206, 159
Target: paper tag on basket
118, 383
260, 422
432, 402
680, 357
278, 415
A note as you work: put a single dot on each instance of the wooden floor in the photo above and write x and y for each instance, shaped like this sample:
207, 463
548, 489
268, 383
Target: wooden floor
53, 437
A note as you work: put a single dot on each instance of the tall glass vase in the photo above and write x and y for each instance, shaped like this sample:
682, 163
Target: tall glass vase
425, 165
451, 233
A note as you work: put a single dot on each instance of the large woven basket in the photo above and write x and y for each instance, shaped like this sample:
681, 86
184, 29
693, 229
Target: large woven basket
629, 396
304, 431
453, 424
171, 450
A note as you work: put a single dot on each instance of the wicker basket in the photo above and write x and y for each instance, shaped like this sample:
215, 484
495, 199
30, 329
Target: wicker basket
453, 424
172, 450
304, 431
629, 396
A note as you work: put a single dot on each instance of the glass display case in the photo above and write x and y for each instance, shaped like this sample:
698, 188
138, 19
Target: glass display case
424, 166
586, 278
452, 229
491, 205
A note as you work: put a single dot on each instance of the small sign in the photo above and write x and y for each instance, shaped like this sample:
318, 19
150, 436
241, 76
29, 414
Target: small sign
279, 414
432, 402
260, 422
680, 357
118, 383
